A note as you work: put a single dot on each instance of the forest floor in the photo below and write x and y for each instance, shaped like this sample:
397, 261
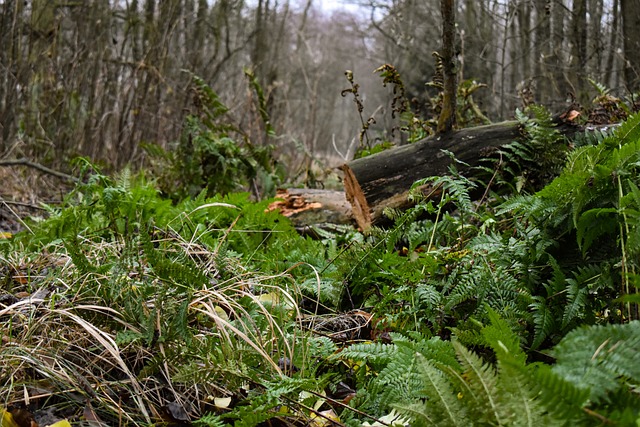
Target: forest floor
23, 194
126, 308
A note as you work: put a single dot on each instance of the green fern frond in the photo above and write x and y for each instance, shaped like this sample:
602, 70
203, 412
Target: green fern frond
417, 412
599, 87
501, 338
434, 349
482, 380
628, 131
594, 224
590, 137
577, 291
562, 398
600, 359
400, 380
544, 322
373, 352
209, 420
519, 397
442, 403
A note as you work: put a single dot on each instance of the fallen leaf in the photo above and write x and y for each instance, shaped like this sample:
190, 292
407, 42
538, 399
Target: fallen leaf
222, 402
7, 419
324, 418
177, 411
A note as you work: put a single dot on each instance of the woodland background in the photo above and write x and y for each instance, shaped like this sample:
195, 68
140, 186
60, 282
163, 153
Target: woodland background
97, 78
166, 289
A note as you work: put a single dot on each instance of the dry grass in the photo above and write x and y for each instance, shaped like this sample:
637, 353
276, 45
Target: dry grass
65, 346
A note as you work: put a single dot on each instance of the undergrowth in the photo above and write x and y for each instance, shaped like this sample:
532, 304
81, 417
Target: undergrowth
516, 309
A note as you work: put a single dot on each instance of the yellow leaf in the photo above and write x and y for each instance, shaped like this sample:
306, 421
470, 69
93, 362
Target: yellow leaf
324, 418
7, 419
61, 423
5, 235
221, 313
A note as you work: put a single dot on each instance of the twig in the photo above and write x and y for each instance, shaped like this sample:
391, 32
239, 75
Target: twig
38, 166
602, 418
24, 205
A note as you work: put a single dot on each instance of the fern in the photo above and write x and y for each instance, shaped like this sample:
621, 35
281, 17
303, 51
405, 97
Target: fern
482, 381
595, 223
544, 321
400, 380
374, 352
209, 420
442, 403
578, 288
600, 359
563, 400
627, 132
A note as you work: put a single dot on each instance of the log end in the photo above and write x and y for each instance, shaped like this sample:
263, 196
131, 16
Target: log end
359, 207
306, 207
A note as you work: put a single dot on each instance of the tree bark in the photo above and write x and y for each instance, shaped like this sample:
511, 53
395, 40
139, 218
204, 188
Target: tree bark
579, 50
631, 33
447, 120
383, 180
613, 41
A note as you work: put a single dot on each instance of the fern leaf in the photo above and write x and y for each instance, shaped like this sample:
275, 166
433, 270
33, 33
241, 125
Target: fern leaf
577, 298
562, 398
374, 352
627, 132
400, 379
482, 380
443, 400
599, 358
543, 321
417, 411
595, 223
519, 396
502, 340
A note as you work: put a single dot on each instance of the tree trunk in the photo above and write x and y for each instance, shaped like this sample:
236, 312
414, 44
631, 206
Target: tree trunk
613, 42
579, 50
556, 62
631, 34
541, 52
383, 180
447, 120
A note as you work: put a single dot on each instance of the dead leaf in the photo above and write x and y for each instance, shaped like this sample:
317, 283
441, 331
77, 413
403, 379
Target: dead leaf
324, 418
177, 411
222, 402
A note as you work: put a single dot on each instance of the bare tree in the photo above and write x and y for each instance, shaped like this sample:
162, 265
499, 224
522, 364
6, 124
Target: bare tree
99, 77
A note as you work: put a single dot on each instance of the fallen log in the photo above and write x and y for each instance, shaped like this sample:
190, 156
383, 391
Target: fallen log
383, 180
306, 207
